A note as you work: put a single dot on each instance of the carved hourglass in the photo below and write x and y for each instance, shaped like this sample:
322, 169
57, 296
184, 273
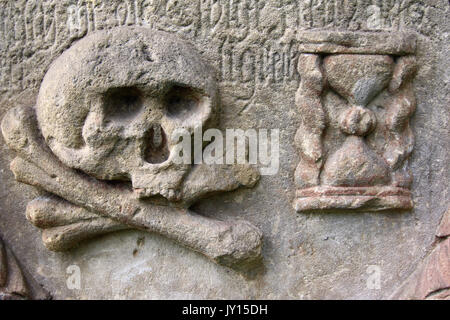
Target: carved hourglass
355, 100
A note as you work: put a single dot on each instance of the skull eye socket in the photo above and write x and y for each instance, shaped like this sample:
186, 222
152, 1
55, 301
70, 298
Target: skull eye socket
182, 102
122, 104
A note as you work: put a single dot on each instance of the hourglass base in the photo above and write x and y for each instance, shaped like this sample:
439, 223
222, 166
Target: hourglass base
374, 198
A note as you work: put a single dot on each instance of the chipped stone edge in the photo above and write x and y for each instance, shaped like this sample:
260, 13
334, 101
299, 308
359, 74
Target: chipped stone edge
430, 280
15, 282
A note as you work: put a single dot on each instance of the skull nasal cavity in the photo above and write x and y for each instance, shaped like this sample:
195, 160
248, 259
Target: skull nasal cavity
156, 150
122, 103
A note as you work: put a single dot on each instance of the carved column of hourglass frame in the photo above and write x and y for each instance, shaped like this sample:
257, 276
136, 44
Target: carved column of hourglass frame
355, 99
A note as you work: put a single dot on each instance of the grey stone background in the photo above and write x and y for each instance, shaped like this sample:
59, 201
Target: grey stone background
251, 44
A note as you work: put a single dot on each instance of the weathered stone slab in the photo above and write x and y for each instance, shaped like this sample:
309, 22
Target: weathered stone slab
289, 65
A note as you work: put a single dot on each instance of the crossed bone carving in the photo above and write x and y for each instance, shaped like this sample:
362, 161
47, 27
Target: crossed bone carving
88, 207
76, 161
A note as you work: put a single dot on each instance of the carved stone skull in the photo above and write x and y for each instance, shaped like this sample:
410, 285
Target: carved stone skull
108, 106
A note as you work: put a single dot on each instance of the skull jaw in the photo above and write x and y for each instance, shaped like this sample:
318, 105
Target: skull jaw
162, 181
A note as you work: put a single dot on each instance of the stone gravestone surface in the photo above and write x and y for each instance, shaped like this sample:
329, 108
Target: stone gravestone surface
350, 97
